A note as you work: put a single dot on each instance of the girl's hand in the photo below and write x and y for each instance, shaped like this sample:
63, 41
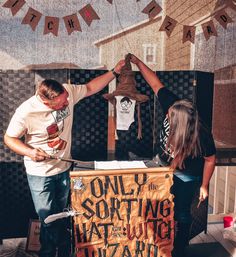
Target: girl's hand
134, 59
203, 193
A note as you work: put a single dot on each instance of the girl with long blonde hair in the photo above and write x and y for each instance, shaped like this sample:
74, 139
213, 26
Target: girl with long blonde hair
187, 146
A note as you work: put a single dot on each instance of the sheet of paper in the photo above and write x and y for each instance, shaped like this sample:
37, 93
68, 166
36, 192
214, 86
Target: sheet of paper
131, 164
108, 165
112, 165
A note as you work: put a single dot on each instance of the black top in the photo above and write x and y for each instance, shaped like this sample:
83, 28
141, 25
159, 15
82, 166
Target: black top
193, 166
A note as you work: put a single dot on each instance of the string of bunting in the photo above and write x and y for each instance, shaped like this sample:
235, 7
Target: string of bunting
168, 24
51, 24
88, 13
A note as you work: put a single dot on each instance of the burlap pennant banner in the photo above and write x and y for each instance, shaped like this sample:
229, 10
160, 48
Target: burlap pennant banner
168, 25
51, 25
32, 18
223, 18
189, 34
72, 23
14, 5
231, 4
88, 14
152, 9
209, 29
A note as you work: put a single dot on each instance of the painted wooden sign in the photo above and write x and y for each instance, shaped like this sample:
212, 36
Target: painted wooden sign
124, 213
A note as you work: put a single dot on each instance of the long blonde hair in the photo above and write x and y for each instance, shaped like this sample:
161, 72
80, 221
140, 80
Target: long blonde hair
183, 140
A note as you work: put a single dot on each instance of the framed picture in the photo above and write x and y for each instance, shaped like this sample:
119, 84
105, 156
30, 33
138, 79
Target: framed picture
33, 244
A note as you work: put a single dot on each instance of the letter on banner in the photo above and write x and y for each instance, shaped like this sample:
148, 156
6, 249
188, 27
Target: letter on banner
152, 9
51, 25
88, 14
209, 29
14, 5
72, 23
223, 18
168, 25
189, 34
32, 18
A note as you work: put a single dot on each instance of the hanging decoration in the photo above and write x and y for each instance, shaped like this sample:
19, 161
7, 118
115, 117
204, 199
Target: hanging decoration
152, 9
231, 4
51, 25
223, 18
32, 18
14, 5
168, 25
125, 97
71, 22
88, 14
209, 29
189, 34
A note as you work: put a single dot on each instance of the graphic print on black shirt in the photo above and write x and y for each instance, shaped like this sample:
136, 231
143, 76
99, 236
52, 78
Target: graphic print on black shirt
165, 131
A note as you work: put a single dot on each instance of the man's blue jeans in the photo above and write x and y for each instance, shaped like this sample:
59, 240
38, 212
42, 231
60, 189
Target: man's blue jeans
50, 196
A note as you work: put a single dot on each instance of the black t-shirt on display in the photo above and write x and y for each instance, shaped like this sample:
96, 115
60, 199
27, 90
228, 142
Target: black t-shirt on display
193, 166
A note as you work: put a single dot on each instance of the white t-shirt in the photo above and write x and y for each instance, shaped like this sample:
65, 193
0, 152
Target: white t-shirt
47, 129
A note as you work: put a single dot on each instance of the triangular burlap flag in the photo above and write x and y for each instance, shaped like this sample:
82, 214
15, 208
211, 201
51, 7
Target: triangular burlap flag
231, 4
32, 18
88, 14
14, 5
223, 18
209, 29
189, 34
72, 23
152, 9
51, 25
168, 25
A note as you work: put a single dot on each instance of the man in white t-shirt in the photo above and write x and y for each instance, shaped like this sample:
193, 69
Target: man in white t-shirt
45, 120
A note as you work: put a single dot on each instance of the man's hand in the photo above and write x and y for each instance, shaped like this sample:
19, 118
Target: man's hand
98, 83
19, 147
118, 66
38, 155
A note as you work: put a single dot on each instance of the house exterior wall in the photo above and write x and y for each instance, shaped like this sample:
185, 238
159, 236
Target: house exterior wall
113, 50
185, 13
224, 118
214, 55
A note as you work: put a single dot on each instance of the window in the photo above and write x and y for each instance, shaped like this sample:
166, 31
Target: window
149, 53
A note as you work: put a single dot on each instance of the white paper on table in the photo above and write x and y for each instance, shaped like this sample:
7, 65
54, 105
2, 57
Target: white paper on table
131, 164
108, 165
113, 165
